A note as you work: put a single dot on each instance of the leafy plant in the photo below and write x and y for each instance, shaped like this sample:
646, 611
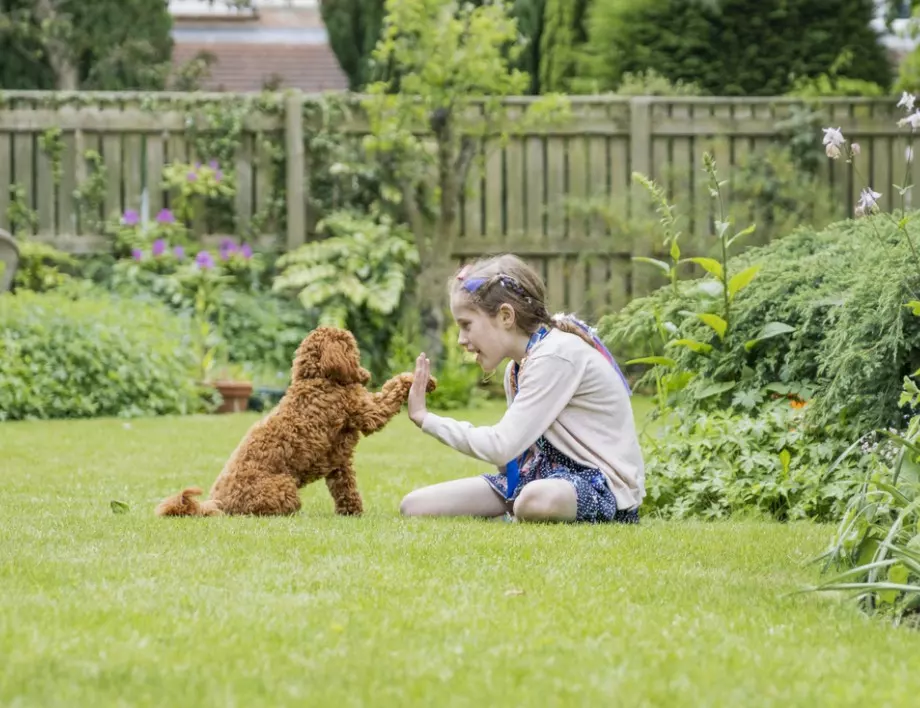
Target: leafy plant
93, 356
43, 267
365, 263
196, 188
759, 456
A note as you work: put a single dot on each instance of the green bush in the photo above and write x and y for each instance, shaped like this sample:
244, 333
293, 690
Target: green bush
843, 291
768, 461
733, 47
62, 357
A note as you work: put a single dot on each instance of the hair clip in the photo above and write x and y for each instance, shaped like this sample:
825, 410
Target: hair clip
473, 284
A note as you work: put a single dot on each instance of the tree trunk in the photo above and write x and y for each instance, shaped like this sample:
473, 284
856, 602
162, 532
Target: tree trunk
56, 30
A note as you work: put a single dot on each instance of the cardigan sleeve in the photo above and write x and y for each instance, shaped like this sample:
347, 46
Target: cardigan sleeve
547, 384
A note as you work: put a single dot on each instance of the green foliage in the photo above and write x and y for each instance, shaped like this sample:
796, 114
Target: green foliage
530, 16
102, 45
354, 28
875, 550
357, 277
62, 357
562, 33
197, 189
89, 196
733, 47
840, 288
43, 267
22, 217
364, 263
762, 457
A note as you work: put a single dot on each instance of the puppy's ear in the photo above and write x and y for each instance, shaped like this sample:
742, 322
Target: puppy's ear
339, 361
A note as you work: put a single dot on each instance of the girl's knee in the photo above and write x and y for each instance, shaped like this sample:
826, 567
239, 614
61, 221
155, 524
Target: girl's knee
412, 504
547, 500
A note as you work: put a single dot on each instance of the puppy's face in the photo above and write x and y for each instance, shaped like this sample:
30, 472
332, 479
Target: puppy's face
330, 353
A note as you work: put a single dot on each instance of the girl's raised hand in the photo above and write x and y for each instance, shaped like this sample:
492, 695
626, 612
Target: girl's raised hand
417, 407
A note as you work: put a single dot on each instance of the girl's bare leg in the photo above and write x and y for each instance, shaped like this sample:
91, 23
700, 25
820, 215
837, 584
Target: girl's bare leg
472, 496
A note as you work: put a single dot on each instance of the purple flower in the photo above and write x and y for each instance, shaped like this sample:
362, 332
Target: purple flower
204, 260
179, 252
137, 254
130, 218
214, 165
218, 176
159, 247
192, 177
246, 250
166, 217
226, 248
198, 165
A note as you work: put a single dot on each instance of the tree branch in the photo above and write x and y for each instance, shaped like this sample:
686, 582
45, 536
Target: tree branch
465, 158
416, 219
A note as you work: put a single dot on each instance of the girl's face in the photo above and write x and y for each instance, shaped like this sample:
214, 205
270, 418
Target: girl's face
491, 339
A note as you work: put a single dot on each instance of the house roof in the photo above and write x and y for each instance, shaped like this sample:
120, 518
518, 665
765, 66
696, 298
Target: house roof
248, 66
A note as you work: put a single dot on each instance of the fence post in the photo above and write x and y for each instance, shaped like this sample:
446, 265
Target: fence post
296, 202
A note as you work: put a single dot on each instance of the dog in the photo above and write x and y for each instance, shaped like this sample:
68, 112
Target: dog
310, 435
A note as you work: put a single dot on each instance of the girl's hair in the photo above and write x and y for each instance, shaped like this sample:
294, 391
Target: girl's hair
492, 282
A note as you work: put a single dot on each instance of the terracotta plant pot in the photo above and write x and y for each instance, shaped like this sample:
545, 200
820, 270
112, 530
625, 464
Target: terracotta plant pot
235, 394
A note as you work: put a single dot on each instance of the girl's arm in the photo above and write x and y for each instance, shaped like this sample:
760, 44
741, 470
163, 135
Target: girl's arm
547, 384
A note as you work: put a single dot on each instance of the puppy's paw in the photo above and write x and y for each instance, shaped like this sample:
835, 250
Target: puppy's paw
432, 384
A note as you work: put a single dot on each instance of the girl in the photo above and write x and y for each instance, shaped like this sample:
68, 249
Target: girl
566, 449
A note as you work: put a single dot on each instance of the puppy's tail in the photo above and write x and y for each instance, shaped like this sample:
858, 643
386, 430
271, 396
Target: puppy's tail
184, 504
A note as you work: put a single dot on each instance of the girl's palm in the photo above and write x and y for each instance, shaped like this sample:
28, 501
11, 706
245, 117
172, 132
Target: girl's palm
417, 407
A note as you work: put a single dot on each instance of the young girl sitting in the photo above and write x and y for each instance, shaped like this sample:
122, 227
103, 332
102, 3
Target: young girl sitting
566, 448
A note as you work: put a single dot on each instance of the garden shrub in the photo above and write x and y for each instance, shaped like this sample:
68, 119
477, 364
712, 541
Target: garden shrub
733, 47
62, 357
842, 289
768, 460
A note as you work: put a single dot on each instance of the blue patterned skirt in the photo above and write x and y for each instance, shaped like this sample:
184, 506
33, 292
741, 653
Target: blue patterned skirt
596, 502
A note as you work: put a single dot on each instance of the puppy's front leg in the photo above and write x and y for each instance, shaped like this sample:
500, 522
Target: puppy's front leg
371, 411
343, 486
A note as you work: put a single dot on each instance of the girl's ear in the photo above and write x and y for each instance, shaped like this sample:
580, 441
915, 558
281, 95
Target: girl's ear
506, 315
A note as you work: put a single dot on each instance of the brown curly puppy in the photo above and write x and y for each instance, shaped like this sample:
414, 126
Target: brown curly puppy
311, 434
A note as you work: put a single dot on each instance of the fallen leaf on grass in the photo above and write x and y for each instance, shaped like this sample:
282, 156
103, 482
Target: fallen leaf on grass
513, 592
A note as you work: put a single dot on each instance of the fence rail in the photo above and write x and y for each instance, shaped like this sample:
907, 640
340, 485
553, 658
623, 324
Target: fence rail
519, 195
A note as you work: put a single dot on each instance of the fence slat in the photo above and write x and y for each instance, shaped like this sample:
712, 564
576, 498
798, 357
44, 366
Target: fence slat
6, 174
23, 172
45, 196
155, 151
132, 160
494, 191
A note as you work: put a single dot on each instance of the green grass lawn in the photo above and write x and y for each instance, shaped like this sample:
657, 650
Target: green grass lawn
102, 609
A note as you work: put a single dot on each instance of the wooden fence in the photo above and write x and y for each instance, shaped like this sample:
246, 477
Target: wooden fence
521, 191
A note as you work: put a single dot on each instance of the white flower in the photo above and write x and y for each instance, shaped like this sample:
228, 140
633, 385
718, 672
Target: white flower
906, 102
833, 136
855, 149
868, 200
832, 151
913, 120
